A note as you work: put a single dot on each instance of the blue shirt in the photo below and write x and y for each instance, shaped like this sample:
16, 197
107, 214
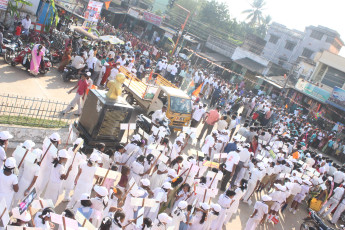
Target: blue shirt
230, 147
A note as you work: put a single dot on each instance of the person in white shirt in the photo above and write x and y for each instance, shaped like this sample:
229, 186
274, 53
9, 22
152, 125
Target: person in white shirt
339, 177
159, 115
97, 69
78, 62
259, 214
198, 113
222, 124
333, 202
231, 162
26, 23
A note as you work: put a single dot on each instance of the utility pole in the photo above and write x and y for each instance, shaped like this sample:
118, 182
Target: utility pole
182, 28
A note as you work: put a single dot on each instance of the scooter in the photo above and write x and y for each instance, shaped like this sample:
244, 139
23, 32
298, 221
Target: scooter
57, 56
145, 123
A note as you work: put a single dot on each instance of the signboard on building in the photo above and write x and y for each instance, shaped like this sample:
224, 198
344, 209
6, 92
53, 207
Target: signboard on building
133, 13
312, 90
337, 98
152, 18
93, 11
3, 4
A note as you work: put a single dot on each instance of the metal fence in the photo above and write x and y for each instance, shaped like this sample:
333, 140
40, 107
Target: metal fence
35, 112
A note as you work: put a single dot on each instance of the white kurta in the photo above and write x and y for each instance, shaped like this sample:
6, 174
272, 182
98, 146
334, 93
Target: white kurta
29, 172
55, 183
6, 188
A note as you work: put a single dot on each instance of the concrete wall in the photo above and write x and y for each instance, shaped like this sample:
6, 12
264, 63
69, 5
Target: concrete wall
312, 44
273, 51
37, 135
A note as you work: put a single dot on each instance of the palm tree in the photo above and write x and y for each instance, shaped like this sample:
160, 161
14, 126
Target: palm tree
255, 13
261, 30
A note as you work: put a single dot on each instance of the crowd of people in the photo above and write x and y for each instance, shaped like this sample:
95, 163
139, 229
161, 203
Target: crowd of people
250, 150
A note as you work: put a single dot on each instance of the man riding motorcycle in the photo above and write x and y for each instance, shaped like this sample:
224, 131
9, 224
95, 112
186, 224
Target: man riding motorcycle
159, 116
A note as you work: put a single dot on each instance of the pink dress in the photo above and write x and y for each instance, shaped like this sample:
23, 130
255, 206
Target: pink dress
36, 59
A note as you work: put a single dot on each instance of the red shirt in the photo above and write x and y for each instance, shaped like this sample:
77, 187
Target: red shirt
18, 30
213, 117
82, 86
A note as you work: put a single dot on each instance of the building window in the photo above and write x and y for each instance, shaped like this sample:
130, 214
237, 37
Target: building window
316, 34
334, 78
290, 45
330, 40
307, 53
273, 39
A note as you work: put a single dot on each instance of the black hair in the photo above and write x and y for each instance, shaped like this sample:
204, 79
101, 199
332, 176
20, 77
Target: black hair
106, 223
6, 169
189, 208
119, 214
141, 158
69, 213
186, 185
203, 218
147, 222
243, 184
230, 193
149, 158
202, 180
100, 146
86, 203
44, 212
118, 147
179, 158
176, 182
56, 161
109, 152
2, 142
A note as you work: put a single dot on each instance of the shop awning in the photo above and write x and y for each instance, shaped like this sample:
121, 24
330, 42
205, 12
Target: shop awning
215, 57
250, 65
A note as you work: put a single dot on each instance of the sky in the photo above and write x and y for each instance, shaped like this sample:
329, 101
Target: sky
297, 14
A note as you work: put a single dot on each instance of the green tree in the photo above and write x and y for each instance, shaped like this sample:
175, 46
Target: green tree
255, 14
261, 30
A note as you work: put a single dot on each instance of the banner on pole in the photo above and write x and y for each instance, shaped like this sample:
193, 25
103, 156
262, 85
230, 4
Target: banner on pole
93, 11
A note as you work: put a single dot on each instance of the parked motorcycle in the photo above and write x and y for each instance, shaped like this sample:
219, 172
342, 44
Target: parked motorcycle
57, 56
145, 123
314, 221
24, 58
10, 49
70, 73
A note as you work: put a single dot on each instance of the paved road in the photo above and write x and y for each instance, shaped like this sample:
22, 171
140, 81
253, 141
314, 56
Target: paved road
14, 80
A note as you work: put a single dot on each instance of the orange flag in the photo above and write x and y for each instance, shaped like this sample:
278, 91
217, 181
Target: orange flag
107, 4
150, 77
197, 91
286, 106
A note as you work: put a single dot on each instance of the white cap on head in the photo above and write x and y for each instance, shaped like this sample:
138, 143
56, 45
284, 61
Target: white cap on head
182, 204
136, 137
137, 192
55, 137
167, 185
164, 218
239, 148
204, 206
5, 135
216, 207
10, 163
94, 157
307, 182
88, 74
78, 141
179, 139
63, 153
29, 144
145, 182
25, 216
38, 153
84, 196
101, 190
266, 198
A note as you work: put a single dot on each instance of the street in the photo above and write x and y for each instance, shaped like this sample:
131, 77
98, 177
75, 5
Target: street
16, 81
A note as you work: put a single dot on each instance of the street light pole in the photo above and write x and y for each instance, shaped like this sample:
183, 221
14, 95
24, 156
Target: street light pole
182, 28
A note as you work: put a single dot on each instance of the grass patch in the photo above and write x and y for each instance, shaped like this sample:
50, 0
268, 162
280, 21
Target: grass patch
32, 122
